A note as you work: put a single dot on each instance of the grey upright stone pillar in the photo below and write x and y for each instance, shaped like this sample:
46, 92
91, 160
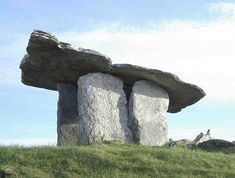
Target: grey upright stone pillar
103, 110
67, 115
147, 106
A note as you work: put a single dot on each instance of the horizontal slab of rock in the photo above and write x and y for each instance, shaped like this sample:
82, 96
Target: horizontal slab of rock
181, 94
50, 61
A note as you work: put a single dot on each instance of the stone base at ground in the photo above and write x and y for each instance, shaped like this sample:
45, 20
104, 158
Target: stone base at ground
67, 115
147, 108
102, 107
67, 135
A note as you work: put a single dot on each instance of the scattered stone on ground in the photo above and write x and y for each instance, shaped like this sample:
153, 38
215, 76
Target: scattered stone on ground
8, 171
184, 143
203, 137
215, 144
202, 141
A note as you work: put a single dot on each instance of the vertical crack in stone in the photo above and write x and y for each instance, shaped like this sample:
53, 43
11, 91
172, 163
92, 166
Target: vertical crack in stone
132, 121
127, 89
130, 124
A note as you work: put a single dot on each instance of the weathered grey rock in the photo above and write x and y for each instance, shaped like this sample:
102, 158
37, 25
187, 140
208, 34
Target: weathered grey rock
50, 61
8, 171
181, 94
102, 107
67, 115
202, 138
183, 143
147, 113
215, 144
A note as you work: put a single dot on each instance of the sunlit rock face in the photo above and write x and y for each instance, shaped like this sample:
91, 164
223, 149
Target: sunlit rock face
147, 107
102, 108
67, 115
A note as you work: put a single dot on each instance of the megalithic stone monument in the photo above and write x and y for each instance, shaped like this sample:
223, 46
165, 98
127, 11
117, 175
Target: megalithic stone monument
100, 101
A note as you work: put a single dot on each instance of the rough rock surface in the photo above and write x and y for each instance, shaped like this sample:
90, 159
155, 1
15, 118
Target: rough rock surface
67, 115
181, 94
102, 107
50, 61
147, 113
202, 138
183, 143
8, 171
215, 144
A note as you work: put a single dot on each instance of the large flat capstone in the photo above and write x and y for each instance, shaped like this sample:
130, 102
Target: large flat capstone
147, 107
67, 115
102, 108
50, 61
181, 94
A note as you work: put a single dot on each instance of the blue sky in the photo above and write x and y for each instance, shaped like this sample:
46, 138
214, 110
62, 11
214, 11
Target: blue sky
193, 39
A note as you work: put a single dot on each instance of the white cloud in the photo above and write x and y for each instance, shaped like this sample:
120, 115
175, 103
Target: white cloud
200, 53
224, 8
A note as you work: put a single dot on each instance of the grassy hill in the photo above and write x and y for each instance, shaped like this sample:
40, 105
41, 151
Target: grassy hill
114, 160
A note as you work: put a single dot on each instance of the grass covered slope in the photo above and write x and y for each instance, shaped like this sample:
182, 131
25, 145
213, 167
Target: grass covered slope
114, 160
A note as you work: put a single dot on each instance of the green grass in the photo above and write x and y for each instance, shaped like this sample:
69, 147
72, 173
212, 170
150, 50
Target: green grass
115, 160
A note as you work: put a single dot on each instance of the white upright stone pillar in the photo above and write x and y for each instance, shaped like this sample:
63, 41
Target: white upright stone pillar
103, 110
147, 113
67, 115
